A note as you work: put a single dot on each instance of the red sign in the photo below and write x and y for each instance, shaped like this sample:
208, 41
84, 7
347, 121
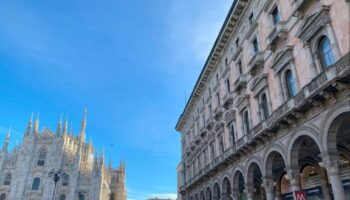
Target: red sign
300, 195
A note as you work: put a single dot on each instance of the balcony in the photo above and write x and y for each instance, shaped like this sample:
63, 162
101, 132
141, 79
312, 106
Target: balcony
203, 131
228, 100
328, 81
210, 123
256, 62
299, 7
317, 90
241, 81
279, 32
218, 113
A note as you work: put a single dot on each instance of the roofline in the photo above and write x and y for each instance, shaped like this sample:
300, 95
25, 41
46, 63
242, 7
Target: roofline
228, 17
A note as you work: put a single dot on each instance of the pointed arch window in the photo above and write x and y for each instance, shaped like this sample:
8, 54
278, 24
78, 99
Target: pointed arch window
36, 183
63, 197
42, 157
325, 52
112, 196
7, 180
65, 180
3, 196
290, 84
264, 106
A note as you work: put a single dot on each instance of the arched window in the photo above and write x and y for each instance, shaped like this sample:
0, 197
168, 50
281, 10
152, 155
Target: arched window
264, 106
290, 84
246, 122
65, 180
325, 52
3, 196
63, 197
36, 184
7, 180
112, 196
42, 156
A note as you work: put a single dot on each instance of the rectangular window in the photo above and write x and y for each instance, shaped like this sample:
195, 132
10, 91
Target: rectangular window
210, 111
251, 18
255, 46
275, 16
205, 158
239, 66
221, 144
217, 77
228, 88
237, 42
199, 162
218, 99
226, 61
212, 151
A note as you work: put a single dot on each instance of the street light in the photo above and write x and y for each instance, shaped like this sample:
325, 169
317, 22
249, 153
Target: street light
57, 175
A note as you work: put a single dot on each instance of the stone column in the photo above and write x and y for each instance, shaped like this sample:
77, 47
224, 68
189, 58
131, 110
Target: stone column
225, 196
235, 195
332, 167
332, 39
294, 178
249, 190
269, 188
310, 59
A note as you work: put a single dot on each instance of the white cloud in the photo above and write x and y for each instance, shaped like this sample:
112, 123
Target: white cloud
163, 196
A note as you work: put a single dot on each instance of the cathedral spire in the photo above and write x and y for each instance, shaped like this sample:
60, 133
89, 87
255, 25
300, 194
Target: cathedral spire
65, 126
58, 130
102, 161
71, 130
6, 142
36, 126
29, 126
83, 126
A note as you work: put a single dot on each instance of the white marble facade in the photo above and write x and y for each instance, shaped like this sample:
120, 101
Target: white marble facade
24, 171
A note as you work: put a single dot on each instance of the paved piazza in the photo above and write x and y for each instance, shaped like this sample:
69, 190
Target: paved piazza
269, 116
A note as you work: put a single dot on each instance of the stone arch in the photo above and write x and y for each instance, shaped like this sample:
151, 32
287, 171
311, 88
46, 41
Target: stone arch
269, 161
251, 160
331, 125
208, 194
216, 191
226, 188
196, 197
278, 148
304, 132
238, 183
201, 196
250, 173
274, 167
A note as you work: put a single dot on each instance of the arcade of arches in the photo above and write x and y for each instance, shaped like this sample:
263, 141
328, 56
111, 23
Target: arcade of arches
319, 165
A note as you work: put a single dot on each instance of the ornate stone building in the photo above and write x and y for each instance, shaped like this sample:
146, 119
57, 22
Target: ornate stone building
269, 117
24, 171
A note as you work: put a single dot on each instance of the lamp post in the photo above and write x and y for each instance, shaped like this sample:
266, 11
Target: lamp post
56, 174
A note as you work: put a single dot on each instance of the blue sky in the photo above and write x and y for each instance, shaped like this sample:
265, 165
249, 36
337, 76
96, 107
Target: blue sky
129, 62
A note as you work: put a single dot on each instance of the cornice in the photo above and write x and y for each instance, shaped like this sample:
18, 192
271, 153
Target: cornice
221, 42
